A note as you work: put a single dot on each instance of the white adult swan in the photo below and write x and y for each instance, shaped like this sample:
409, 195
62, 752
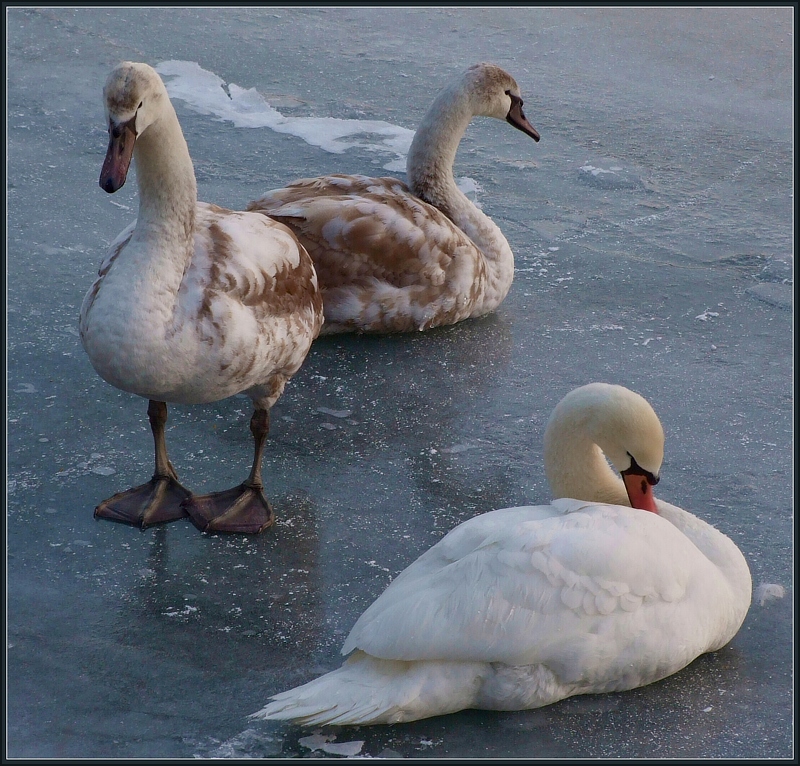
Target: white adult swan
395, 258
521, 607
193, 303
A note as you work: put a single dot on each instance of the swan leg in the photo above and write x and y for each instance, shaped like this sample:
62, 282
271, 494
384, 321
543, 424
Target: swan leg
243, 509
158, 501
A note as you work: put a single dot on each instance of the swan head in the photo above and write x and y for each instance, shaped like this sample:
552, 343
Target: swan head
133, 95
621, 424
495, 93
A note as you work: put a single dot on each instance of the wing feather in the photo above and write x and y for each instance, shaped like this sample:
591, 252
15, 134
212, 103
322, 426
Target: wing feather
526, 586
386, 260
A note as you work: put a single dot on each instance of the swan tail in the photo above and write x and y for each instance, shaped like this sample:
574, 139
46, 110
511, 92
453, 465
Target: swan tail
368, 690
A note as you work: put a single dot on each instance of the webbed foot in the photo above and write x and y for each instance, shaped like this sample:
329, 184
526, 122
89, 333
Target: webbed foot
243, 510
157, 502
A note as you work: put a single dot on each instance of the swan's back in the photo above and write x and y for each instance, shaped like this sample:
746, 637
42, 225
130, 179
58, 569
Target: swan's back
606, 597
386, 260
396, 258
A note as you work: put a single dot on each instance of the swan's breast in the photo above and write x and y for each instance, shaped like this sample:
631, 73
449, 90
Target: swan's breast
242, 315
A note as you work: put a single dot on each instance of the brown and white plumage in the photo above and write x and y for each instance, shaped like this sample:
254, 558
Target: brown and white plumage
393, 257
193, 303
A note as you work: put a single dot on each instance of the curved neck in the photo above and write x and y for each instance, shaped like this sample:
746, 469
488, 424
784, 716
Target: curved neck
152, 267
433, 150
576, 467
429, 168
167, 185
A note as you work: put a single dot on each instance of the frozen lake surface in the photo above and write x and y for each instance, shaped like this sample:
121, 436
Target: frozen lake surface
652, 230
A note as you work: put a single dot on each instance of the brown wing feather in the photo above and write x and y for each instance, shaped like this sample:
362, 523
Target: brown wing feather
359, 229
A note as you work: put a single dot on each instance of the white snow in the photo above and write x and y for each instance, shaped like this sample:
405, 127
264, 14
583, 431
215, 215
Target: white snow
768, 591
325, 742
207, 93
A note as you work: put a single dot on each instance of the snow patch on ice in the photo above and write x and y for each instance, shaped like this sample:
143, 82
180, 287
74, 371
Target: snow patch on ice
704, 317
207, 93
470, 187
327, 743
768, 591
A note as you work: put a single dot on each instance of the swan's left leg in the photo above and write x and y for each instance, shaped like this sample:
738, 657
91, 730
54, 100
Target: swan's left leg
158, 501
244, 508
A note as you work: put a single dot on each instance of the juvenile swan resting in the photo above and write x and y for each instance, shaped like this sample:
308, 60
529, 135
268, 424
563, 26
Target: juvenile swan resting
192, 304
396, 258
605, 589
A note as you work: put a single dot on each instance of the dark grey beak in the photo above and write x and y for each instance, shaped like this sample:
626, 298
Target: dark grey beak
517, 118
121, 139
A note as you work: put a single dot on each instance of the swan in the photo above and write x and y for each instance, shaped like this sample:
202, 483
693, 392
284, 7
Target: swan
397, 258
605, 589
193, 303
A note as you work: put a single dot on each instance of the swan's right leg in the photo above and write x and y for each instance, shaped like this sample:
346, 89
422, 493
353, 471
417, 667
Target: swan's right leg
243, 509
158, 501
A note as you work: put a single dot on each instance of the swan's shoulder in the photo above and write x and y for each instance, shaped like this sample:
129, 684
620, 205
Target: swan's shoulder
233, 238
515, 585
250, 260
722, 552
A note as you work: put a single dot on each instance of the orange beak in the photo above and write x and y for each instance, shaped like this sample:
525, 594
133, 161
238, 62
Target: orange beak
640, 491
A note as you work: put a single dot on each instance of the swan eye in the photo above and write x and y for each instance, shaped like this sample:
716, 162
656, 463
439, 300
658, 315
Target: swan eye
635, 468
516, 104
140, 105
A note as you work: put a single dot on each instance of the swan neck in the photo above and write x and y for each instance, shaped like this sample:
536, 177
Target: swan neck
165, 175
152, 267
430, 177
576, 467
433, 150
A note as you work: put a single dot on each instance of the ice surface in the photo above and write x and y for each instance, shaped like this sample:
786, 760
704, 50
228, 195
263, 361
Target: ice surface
159, 643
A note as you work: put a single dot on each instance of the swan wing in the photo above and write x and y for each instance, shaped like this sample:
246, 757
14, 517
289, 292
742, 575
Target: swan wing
360, 229
586, 589
251, 301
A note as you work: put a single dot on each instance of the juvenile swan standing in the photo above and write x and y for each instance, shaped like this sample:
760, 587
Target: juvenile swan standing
605, 589
396, 258
192, 304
